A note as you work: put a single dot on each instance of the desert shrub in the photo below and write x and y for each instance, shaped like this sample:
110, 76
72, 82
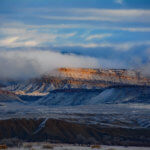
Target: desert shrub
3, 147
13, 142
95, 146
48, 146
85, 140
28, 145
111, 149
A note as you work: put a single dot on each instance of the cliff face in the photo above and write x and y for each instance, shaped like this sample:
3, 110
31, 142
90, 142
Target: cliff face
121, 76
97, 78
63, 78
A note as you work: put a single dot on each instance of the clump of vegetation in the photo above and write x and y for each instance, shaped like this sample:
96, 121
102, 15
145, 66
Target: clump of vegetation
28, 145
3, 147
13, 142
48, 146
111, 149
84, 140
95, 146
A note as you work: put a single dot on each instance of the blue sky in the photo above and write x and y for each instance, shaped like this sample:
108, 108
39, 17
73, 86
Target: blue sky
114, 32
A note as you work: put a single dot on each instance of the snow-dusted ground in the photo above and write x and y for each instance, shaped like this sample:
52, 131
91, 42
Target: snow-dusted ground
124, 115
96, 97
116, 115
71, 147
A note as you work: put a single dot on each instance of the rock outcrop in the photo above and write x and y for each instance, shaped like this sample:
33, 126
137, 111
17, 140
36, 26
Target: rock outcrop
80, 78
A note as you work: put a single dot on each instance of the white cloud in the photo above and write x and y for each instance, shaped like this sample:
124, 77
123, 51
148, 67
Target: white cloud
20, 35
78, 18
126, 46
130, 29
112, 15
68, 35
29, 37
9, 30
8, 41
90, 26
32, 63
98, 36
17, 42
119, 1
30, 43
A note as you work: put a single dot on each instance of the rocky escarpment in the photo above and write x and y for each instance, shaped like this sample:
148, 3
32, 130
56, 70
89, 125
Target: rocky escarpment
80, 78
66, 132
107, 76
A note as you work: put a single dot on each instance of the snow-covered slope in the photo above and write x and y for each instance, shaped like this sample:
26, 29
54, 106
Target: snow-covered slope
123, 95
69, 97
79, 78
93, 97
93, 86
6, 96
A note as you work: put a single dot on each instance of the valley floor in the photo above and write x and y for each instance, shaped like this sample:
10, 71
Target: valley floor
119, 124
113, 115
42, 146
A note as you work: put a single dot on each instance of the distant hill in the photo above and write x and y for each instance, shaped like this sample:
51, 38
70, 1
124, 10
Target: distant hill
79, 78
114, 95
